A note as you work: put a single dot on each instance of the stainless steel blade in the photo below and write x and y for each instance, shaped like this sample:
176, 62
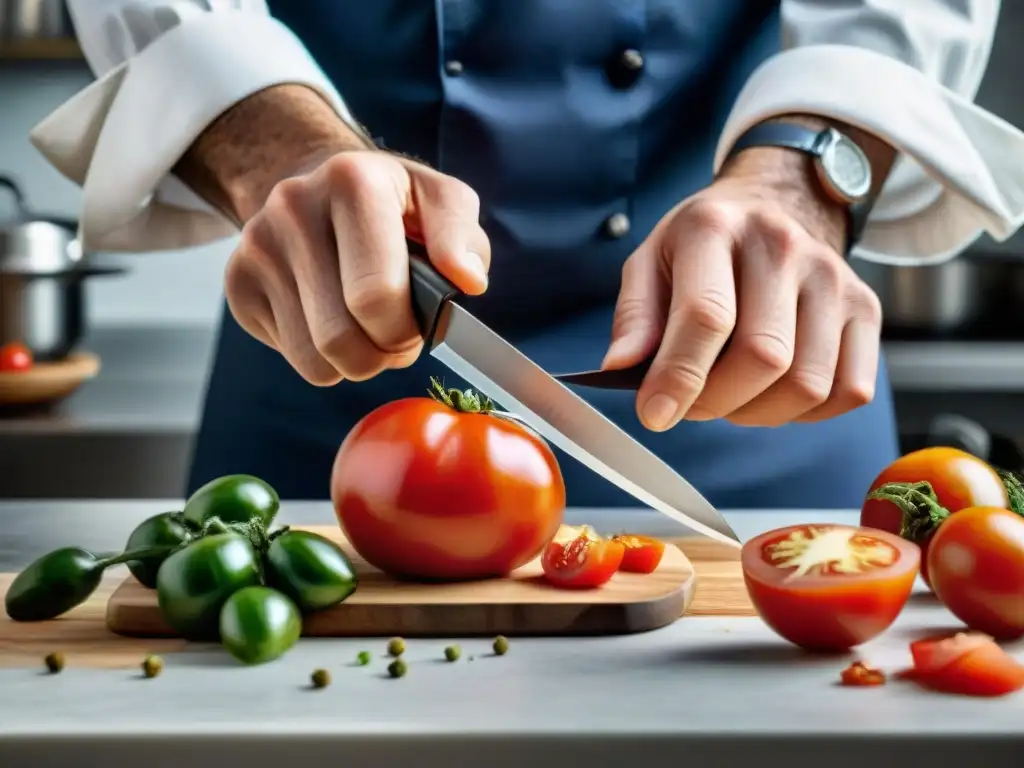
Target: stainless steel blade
500, 371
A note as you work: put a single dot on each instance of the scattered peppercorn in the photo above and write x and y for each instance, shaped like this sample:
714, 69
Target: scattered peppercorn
396, 647
500, 645
397, 668
152, 666
363, 658
54, 662
320, 678
452, 652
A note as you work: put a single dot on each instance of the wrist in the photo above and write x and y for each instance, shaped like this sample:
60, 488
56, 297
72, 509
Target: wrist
280, 132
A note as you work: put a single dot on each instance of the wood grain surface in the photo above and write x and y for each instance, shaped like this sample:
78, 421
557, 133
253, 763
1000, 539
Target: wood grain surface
82, 634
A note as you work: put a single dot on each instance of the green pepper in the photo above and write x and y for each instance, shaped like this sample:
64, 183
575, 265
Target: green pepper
259, 624
168, 529
233, 499
311, 569
193, 583
60, 580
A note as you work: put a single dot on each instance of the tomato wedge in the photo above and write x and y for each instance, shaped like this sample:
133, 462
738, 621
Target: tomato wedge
829, 587
968, 664
643, 554
860, 674
577, 558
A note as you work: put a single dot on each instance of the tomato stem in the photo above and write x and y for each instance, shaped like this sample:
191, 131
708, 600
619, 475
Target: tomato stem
1014, 489
469, 401
922, 513
143, 553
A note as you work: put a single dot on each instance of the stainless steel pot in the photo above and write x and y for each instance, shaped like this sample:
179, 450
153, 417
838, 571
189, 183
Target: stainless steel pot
42, 275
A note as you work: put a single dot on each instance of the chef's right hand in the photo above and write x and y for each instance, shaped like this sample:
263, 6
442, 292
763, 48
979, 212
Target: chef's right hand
321, 273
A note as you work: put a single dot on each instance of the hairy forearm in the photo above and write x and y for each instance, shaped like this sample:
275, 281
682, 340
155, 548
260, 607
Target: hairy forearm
276, 133
792, 178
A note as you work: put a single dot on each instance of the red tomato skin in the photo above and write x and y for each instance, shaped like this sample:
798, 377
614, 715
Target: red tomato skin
15, 358
959, 479
830, 614
426, 492
642, 553
984, 671
976, 559
603, 558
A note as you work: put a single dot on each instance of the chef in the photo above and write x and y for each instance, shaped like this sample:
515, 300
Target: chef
610, 179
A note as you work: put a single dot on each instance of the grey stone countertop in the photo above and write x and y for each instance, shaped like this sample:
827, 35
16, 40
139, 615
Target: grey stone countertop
701, 692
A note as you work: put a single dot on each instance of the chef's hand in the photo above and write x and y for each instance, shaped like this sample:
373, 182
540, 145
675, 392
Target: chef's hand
321, 273
754, 256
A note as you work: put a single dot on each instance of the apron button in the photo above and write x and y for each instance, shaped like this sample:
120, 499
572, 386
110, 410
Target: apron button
624, 70
453, 67
616, 225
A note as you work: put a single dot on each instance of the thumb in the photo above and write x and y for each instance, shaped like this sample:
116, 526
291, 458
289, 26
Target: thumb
447, 212
640, 312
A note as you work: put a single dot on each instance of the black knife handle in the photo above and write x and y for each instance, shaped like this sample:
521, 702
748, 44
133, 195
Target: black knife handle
430, 290
622, 378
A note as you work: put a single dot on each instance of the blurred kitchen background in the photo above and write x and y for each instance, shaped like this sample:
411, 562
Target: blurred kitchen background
954, 334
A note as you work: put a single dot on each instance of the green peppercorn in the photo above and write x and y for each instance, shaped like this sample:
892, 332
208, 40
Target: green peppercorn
397, 668
363, 658
152, 666
452, 653
500, 645
320, 678
396, 647
54, 662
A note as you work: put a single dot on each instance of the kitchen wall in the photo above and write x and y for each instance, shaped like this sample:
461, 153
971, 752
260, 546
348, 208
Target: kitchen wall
184, 287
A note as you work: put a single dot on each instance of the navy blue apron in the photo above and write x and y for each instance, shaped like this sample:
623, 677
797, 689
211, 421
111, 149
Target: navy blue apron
566, 137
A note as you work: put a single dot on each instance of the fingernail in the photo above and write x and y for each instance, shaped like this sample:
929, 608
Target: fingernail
659, 411
616, 351
475, 264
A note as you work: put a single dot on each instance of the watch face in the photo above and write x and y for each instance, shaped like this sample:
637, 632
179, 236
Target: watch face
848, 168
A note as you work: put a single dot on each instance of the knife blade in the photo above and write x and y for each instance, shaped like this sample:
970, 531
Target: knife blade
497, 369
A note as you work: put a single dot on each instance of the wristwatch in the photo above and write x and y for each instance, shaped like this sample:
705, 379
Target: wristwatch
842, 168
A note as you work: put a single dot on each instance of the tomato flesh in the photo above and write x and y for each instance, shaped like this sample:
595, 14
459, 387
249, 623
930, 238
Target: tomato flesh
860, 674
966, 664
579, 559
642, 553
976, 558
425, 491
15, 358
828, 587
959, 480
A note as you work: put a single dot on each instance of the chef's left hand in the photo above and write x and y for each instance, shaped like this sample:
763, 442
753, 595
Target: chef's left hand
754, 256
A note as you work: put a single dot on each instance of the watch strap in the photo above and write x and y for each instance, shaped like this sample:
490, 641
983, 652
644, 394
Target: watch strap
811, 142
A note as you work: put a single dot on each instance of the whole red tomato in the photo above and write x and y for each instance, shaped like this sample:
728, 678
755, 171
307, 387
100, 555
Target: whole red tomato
976, 559
15, 358
958, 480
446, 488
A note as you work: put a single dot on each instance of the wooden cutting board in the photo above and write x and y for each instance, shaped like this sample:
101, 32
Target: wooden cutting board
522, 604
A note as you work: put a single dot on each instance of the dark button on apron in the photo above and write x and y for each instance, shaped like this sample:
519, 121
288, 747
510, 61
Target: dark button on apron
625, 68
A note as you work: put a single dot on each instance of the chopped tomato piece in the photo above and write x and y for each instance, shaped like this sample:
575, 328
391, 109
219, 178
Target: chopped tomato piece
860, 674
966, 664
577, 558
829, 587
643, 554
15, 358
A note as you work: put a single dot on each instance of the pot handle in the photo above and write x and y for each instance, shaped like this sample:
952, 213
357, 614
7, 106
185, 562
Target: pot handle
19, 197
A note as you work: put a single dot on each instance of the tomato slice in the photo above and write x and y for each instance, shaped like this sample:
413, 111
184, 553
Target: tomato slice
860, 674
643, 554
577, 558
968, 664
829, 587
15, 358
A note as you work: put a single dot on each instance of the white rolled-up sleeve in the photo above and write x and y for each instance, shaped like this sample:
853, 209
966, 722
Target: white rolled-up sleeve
907, 72
165, 71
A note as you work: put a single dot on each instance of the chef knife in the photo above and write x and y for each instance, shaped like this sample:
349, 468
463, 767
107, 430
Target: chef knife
497, 369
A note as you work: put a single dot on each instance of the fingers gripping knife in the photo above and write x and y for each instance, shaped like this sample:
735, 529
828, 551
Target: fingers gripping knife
492, 365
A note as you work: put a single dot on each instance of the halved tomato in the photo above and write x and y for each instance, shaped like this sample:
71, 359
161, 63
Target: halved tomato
643, 554
976, 559
829, 587
577, 558
969, 664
